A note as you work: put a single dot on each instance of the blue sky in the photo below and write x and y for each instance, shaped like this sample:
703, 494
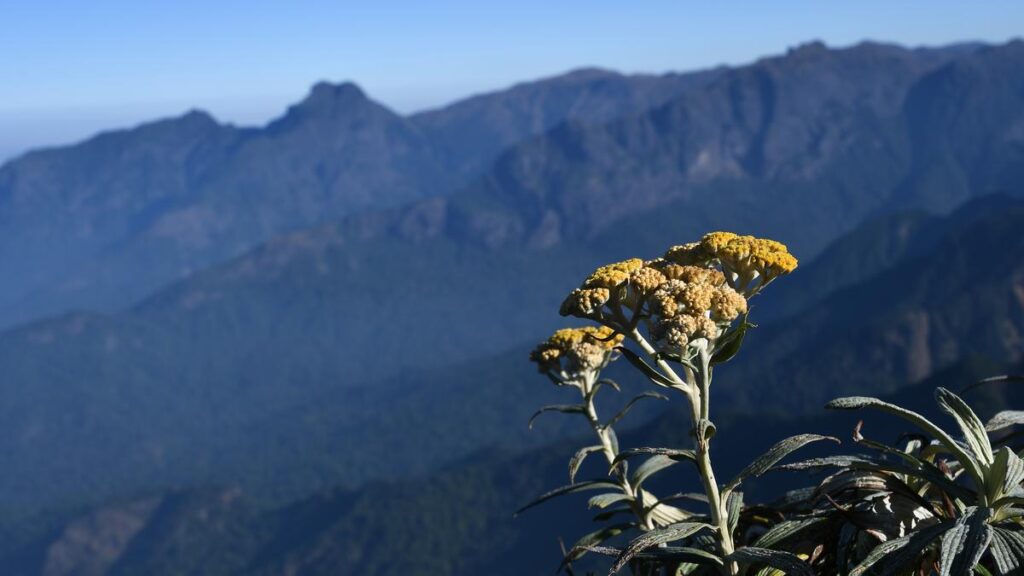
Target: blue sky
73, 68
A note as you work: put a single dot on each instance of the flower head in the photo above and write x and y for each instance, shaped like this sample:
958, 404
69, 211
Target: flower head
743, 259
613, 275
646, 280
694, 303
571, 354
585, 302
608, 282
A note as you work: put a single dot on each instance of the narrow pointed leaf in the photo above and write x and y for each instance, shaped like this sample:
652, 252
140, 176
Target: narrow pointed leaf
607, 382
966, 460
625, 409
613, 438
665, 515
678, 455
654, 538
773, 455
927, 471
578, 458
784, 530
583, 545
893, 555
1005, 419
731, 346
789, 563
971, 426
680, 554
649, 371
734, 505
565, 408
651, 466
570, 489
965, 542
603, 501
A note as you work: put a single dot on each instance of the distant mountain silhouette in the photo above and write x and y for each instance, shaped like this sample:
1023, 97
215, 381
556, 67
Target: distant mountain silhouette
472, 133
102, 223
260, 291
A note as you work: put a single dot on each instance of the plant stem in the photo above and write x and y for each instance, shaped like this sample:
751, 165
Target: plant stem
696, 387
610, 453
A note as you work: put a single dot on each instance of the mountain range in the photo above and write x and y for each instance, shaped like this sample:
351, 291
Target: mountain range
312, 315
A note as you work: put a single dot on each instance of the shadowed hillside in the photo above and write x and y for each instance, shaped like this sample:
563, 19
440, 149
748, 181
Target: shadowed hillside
104, 406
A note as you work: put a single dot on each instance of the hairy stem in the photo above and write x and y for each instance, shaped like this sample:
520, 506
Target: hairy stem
610, 453
696, 387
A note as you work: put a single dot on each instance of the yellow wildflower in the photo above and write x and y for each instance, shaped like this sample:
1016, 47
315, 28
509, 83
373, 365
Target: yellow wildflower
712, 242
696, 297
646, 280
586, 348
727, 304
585, 302
746, 258
613, 275
690, 254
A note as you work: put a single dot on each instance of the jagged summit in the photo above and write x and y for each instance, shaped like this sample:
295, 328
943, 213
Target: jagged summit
328, 102
812, 47
326, 93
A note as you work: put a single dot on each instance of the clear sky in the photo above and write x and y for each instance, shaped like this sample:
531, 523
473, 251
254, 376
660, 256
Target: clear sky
71, 68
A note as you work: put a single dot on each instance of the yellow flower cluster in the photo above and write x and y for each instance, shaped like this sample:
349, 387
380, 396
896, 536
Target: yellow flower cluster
696, 303
599, 288
695, 291
742, 258
572, 351
613, 275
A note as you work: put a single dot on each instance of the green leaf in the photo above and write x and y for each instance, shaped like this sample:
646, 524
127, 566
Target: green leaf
1005, 419
613, 438
662, 513
583, 545
649, 371
731, 344
678, 455
652, 465
965, 542
565, 408
966, 460
656, 537
784, 530
895, 554
625, 409
971, 426
1006, 473
578, 458
570, 489
606, 382
734, 505
1008, 551
787, 562
603, 501
926, 471
777, 452
680, 554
